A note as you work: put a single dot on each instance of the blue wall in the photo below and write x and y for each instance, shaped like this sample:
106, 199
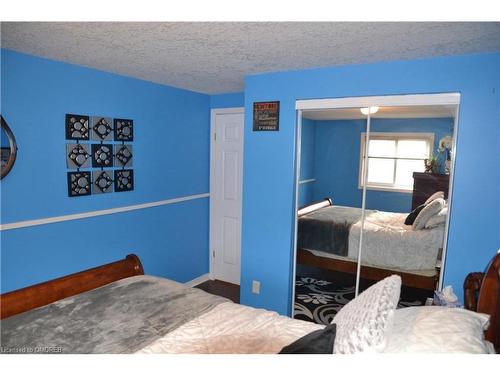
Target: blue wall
269, 157
230, 100
336, 160
171, 159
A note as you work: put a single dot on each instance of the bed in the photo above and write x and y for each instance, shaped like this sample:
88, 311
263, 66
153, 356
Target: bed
328, 237
115, 308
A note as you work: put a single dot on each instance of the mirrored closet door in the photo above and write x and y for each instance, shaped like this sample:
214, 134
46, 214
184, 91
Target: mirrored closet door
329, 209
373, 196
408, 160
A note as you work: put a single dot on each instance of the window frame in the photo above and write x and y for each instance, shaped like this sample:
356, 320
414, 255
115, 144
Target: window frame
428, 137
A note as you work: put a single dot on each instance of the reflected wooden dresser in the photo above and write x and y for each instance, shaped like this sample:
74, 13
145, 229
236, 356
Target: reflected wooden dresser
426, 184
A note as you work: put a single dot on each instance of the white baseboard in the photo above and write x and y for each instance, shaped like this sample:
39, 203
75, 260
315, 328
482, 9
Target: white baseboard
198, 280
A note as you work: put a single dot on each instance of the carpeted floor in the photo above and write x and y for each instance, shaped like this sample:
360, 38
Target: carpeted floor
320, 294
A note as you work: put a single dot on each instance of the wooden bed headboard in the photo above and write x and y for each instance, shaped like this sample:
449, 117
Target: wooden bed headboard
482, 294
42, 294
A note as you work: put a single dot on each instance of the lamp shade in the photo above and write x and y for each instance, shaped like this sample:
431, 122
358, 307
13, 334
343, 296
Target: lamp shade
370, 110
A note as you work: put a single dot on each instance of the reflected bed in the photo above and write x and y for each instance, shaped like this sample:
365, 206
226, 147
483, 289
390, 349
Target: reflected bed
328, 237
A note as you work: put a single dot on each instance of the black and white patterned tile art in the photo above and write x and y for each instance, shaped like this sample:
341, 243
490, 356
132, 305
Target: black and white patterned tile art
124, 179
77, 155
79, 184
102, 129
123, 155
103, 182
99, 160
77, 127
124, 130
102, 155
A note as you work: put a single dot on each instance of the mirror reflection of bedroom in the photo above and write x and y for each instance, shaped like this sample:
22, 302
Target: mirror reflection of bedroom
373, 189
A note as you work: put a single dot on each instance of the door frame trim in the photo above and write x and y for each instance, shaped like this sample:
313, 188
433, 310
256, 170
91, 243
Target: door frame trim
213, 114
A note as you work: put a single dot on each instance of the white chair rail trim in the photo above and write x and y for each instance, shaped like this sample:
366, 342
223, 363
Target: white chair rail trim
308, 181
84, 215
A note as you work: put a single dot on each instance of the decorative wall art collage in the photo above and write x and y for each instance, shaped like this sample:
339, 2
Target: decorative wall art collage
101, 156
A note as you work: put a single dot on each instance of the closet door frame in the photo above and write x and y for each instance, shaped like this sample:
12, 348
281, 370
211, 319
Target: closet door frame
451, 99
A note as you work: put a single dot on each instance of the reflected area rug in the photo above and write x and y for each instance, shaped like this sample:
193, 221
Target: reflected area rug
320, 294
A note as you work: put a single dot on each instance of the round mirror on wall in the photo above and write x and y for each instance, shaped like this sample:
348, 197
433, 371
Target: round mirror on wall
8, 148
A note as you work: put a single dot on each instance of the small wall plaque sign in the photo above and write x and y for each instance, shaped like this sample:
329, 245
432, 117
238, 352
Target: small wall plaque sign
266, 116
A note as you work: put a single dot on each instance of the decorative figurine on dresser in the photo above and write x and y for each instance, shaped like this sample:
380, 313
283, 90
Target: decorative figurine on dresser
436, 176
98, 167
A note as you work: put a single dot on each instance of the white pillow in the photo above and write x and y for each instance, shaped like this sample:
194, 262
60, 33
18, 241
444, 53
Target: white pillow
429, 211
436, 195
362, 323
437, 329
437, 219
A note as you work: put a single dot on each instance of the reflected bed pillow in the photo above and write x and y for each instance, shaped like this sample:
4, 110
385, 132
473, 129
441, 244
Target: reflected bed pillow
428, 211
437, 219
436, 195
362, 324
413, 215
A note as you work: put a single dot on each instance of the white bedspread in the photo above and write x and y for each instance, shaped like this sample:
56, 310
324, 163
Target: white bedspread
233, 328
230, 328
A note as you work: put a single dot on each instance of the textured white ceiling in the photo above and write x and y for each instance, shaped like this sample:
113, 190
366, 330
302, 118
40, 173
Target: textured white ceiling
215, 57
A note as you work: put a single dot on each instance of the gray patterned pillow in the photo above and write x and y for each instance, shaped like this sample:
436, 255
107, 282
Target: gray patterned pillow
362, 324
429, 211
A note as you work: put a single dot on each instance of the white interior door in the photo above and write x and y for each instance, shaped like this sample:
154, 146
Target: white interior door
226, 194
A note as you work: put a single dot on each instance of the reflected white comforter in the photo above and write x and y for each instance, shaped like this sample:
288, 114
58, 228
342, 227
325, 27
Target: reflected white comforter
388, 242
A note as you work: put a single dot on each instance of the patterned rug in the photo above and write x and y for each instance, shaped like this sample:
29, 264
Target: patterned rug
320, 294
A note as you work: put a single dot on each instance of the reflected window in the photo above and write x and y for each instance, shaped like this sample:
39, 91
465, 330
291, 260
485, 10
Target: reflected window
392, 159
